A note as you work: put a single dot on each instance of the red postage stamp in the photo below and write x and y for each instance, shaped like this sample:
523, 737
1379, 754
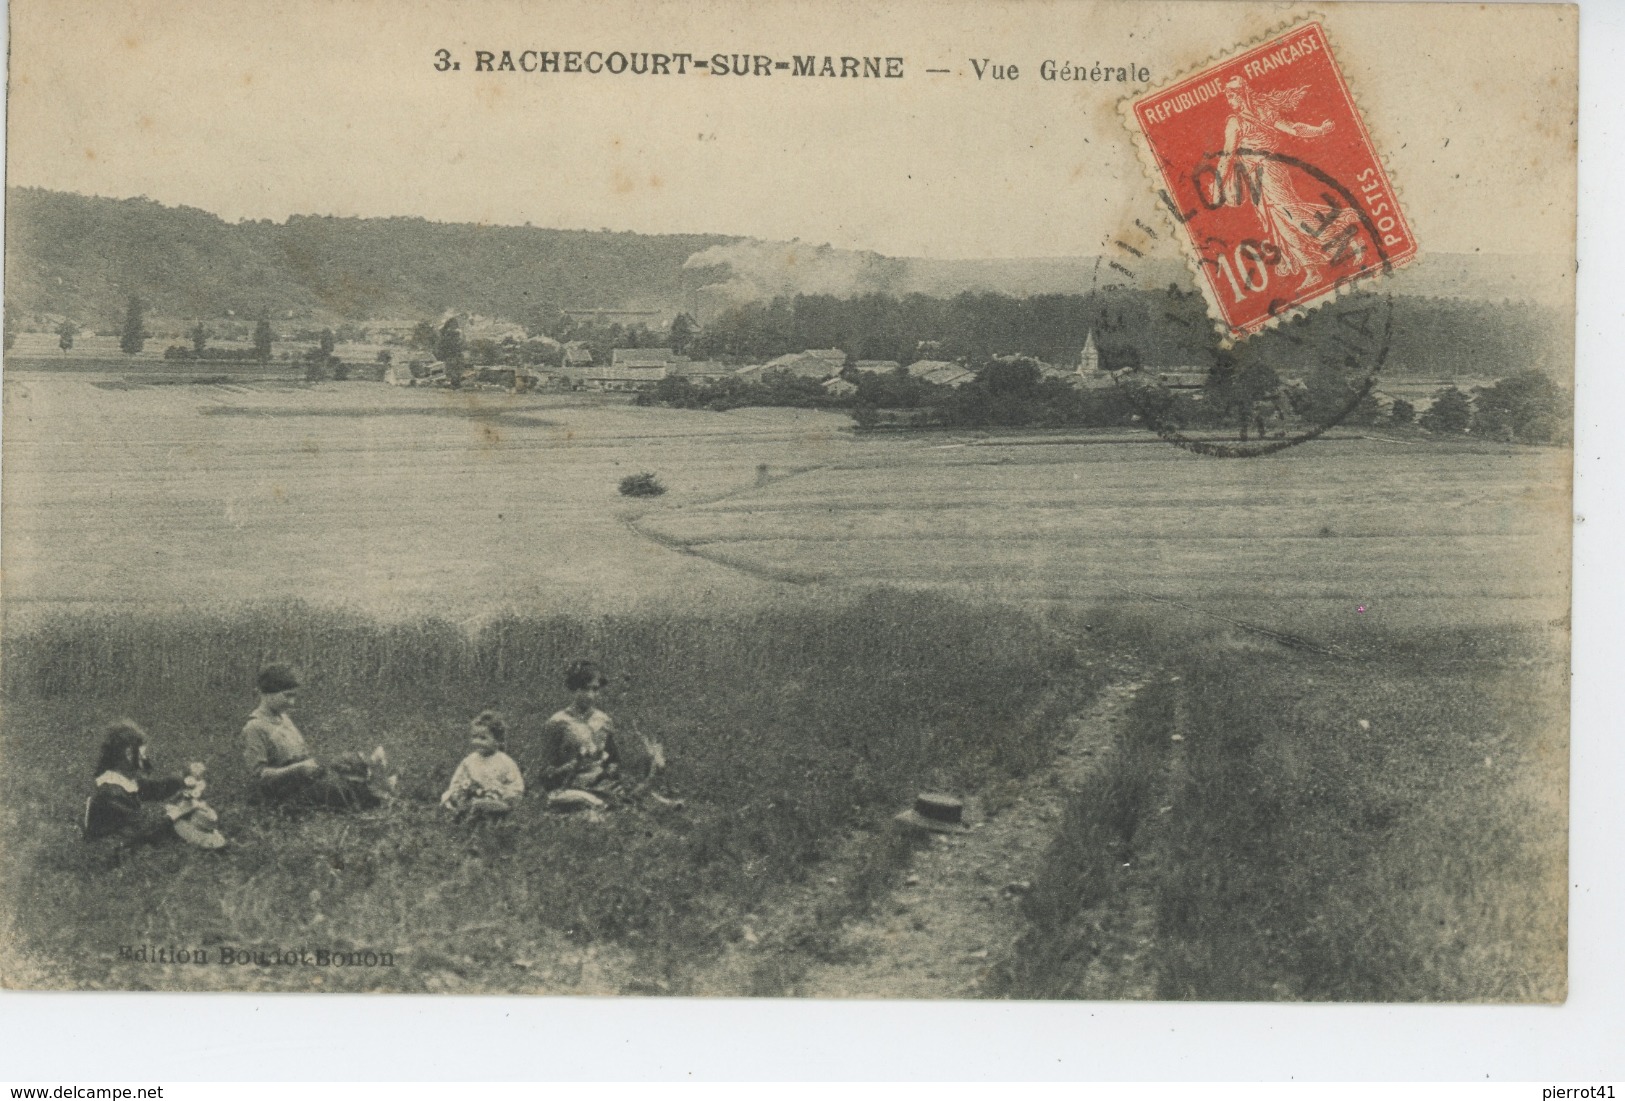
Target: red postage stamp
1267, 165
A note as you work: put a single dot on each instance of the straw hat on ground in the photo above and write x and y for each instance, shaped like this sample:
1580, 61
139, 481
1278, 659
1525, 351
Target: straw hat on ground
937, 813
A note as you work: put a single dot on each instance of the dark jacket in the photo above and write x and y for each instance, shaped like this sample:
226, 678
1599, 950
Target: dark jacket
116, 812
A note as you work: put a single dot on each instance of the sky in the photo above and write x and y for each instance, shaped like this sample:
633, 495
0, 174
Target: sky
266, 108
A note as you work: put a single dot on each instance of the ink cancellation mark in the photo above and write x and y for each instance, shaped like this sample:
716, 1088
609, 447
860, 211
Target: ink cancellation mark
1269, 170
1280, 389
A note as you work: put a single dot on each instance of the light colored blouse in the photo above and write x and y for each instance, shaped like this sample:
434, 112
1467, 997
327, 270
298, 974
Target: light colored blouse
481, 775
271, 741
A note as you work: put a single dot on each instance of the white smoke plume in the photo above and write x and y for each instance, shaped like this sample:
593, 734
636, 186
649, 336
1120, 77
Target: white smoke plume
767, 269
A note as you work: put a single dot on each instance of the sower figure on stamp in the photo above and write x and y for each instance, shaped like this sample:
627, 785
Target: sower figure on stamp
1310, 234
282, 765
586, 762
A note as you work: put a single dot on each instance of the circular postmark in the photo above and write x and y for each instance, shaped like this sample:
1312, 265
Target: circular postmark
1314, 366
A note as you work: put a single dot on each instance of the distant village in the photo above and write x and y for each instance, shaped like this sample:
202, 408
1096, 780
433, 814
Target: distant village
473, 351
647, 356
643, 369
497, 355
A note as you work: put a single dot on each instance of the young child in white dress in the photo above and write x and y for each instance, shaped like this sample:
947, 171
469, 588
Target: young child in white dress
488, 783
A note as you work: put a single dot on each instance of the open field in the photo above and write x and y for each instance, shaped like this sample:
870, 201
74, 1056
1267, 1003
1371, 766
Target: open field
817, 625
397, 502
406, 502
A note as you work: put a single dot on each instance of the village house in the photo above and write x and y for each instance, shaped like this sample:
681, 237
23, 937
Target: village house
839, 387
1045, 370
628, 369
819, 363
612, 378
1178, 378
1096, 380
663, 358
577, 354
412, 371
877, 366
940, 372
699, 370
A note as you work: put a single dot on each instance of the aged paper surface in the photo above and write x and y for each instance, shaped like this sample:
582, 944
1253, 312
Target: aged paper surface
918, 538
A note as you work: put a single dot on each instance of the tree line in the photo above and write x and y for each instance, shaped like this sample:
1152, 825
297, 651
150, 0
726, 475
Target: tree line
1166, 327
1014, 392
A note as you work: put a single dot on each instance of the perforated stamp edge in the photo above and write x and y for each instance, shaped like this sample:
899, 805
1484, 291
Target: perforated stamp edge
1152, 171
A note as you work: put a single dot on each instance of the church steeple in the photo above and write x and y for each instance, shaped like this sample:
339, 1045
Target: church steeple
1089, 358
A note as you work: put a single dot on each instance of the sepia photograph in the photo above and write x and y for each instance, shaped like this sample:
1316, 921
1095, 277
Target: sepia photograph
1032, 501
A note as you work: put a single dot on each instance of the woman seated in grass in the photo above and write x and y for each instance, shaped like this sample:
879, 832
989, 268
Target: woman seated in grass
578, 743
583, 755
487, 784
281, 763
131, 805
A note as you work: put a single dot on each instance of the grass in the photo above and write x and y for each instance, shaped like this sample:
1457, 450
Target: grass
786, 728
1383, 826
1304, 858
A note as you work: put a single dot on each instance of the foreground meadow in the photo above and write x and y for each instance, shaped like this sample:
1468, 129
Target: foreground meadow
786, 729
1270, 824
1382, 824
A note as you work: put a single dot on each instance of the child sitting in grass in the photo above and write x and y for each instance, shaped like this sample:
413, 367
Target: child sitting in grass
282, 765
584, 761
136, 808
487, 784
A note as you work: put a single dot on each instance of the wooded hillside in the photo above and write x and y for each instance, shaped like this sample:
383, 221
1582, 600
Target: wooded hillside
83, 256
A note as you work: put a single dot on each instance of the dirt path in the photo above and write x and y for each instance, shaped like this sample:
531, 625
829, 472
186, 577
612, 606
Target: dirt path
942, 923
958, 911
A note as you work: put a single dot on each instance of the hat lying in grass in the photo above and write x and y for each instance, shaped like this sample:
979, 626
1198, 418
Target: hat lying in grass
200, 827
938, 813
573, 799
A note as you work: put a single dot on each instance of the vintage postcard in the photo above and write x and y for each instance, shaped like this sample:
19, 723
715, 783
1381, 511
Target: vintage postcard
958, 500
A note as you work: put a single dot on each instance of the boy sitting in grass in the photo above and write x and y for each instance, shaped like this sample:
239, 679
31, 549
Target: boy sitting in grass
487, 784
281, 763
